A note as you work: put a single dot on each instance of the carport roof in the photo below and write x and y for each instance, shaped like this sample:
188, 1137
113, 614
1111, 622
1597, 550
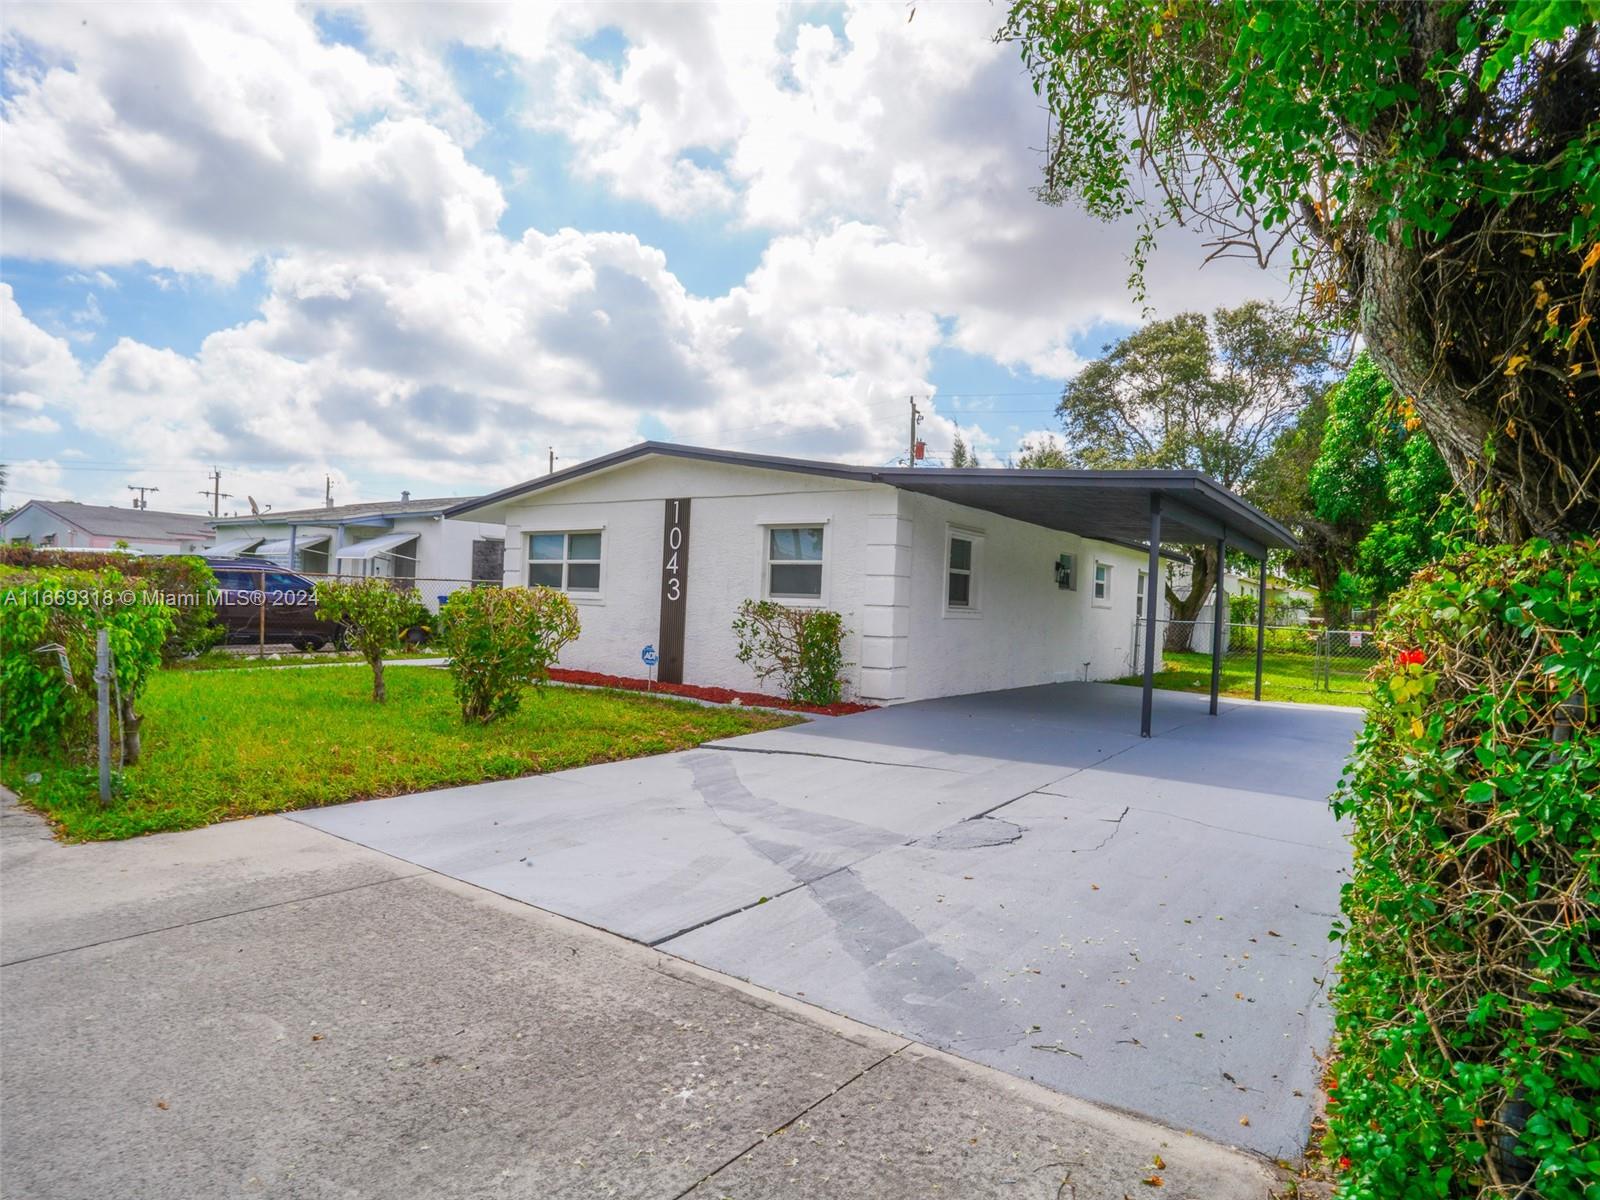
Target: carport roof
1106, 505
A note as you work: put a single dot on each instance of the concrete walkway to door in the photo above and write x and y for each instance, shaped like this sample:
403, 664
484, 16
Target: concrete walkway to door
1016, 877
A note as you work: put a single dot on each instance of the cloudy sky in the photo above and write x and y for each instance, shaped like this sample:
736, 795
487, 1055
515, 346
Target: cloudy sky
413, 246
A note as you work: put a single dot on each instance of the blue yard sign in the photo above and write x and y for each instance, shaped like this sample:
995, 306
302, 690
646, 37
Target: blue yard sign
649, 656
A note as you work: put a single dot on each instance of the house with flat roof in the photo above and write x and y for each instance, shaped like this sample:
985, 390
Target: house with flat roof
949, 580
69, 525
407, 540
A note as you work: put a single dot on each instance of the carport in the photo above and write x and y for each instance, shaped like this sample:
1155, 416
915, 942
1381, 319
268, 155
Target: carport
1144, 508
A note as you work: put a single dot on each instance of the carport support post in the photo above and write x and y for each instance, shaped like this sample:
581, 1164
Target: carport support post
1219, 617
1261, 624
1152, 583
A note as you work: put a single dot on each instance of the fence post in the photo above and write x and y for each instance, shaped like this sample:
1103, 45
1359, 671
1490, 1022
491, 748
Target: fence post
102, 692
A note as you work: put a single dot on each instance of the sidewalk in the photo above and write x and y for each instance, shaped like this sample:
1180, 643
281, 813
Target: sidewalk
262, 1009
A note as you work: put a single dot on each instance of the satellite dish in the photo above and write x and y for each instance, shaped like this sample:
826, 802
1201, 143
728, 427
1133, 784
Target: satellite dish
255, 509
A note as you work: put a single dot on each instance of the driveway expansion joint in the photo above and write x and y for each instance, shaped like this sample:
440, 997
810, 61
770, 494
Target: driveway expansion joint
866, 762
777, 1129
239, 912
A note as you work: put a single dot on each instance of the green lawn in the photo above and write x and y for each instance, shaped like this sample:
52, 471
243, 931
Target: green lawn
226, 744
1283, 677
220, 660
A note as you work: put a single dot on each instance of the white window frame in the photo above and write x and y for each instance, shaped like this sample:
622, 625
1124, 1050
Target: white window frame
974, 605
1139, 596
1097, 581
578, 595
820, 600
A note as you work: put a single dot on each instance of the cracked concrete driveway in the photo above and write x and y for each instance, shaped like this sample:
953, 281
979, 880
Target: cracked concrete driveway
1015, 877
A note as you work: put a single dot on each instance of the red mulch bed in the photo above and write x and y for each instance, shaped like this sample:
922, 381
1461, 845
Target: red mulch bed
715, 695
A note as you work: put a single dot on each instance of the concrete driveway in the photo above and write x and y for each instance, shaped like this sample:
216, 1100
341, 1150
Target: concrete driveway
1015, 877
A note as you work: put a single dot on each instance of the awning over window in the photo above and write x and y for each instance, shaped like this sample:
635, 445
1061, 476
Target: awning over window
280, 548
373, 547
230, 548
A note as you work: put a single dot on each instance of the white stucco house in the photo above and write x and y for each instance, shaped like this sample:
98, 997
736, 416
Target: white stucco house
949, 580
404, 539
68, 525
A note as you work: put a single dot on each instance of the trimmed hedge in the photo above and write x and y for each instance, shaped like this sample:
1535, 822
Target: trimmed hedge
1468, 1001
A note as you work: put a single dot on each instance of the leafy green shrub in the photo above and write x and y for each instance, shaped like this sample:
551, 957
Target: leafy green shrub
803, 647
1468, 1004
48, 620
375, 616
500, 640
184, 582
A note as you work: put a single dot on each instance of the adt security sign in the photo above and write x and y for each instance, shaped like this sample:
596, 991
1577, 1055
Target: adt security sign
649, 656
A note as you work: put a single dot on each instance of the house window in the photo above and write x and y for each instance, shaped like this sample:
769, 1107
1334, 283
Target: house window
794, 562
1102, 583
958, 573
569, 562
1138, 601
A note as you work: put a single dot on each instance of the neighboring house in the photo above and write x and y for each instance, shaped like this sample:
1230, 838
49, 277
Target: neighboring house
1288, 603
658, 545
73, 526
403, 539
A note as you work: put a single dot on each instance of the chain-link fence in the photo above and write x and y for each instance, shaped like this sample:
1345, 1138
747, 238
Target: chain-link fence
1299, 662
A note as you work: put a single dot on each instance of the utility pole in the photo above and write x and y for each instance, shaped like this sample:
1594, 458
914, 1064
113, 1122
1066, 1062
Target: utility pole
327, 491
216, 493
916, 419
141, 502
552, 460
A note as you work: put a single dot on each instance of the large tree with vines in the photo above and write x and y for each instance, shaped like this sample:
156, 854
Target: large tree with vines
1431, 170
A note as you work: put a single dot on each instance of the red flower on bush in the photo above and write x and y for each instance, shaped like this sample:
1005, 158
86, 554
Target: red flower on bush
1344, 1162
1412, 658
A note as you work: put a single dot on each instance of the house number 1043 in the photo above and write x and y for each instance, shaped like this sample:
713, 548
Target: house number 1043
674, 589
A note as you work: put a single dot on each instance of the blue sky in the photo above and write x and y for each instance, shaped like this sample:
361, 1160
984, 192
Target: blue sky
414, 246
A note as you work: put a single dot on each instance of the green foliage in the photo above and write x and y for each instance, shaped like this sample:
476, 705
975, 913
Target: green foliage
1044, 453
1241, 610
1470, 974
184, 582
803, 647
960, 456
1432, 168
374, 615
501, 640
1265, 109
1191, 393
1378, 479
46, 703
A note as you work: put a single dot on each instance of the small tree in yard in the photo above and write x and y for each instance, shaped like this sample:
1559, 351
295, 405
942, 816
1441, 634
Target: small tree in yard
375, 616
801, 646
500, 640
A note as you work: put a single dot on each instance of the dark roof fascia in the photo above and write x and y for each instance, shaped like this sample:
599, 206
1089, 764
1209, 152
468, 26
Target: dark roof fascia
605, 462
1141, 479
1250, 519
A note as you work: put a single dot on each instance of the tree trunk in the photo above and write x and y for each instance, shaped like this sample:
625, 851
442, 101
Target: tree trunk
1446, 322
130, 721
1183, 610
380, 693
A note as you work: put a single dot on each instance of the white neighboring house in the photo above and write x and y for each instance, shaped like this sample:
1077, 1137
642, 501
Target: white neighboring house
68, 525
403, 539
659, 544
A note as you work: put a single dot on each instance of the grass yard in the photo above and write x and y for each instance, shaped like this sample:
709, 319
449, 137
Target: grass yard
1283, 677
249, 660
225, 744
